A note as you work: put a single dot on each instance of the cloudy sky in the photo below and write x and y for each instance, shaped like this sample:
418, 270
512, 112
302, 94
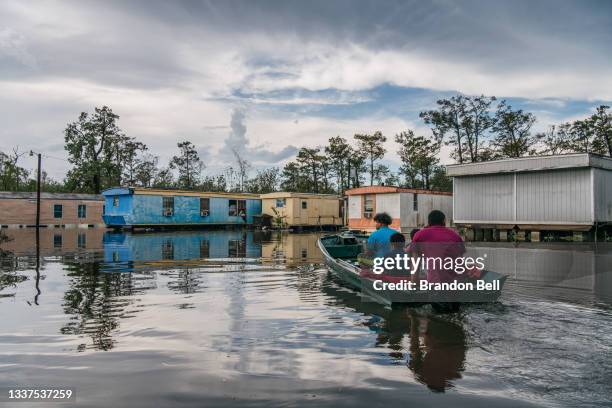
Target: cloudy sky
268, 77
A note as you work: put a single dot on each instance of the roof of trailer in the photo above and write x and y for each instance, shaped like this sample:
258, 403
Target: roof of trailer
171, 192
50, 196
532, 163
290, 194
392, 189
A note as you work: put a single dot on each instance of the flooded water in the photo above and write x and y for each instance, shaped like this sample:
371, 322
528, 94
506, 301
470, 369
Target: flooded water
233, 318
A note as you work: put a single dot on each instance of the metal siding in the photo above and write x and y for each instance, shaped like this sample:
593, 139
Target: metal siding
124, 208
435, 202
354, 206
560, 196
603, 195
147, 210
408, 217
483, 198
389, 203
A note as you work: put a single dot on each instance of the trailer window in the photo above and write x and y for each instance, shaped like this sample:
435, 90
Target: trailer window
58, 210
304, 205
280, 202
204, 207
168, 206
82, 211
368, 205
116, 201
415, 202
237, 208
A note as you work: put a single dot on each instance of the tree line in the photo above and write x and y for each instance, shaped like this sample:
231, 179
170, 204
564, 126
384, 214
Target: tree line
476, 128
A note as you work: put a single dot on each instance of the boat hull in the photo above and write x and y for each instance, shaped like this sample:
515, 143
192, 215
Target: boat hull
351, 274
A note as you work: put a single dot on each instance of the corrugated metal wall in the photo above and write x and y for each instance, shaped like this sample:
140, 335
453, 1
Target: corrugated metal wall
486, 198
549, 197
602, 180
425, 204
560, 196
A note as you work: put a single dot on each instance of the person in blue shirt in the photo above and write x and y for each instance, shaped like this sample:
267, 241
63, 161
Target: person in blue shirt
379, 242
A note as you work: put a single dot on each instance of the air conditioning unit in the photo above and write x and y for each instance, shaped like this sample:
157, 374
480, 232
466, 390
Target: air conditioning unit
367, 215
168, 213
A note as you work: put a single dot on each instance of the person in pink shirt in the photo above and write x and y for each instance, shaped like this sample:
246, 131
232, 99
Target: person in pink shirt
436, 240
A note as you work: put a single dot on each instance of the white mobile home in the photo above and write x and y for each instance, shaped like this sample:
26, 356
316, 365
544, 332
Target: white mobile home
571, 192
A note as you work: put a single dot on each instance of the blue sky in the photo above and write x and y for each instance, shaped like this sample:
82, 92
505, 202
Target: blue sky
267, 77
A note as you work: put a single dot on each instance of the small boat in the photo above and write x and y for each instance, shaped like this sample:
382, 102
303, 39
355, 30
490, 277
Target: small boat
342, 256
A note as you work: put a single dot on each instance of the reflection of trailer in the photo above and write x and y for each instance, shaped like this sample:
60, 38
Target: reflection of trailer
183, 245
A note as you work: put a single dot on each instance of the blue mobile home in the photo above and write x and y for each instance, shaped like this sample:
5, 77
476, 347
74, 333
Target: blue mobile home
144, 207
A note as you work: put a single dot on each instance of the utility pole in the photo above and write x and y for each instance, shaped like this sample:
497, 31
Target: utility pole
38, 194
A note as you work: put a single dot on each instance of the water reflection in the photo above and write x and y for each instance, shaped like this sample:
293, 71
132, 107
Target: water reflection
433, 347
231, 308
583, 267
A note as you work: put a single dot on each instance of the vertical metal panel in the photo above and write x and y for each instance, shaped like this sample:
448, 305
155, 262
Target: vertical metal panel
389, 203
408, 217
437, 202
559, 196
602, 182
354, 206
425, 204
485, 198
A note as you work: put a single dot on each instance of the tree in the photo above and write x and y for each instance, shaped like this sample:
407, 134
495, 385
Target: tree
12, 176
290, 177
129, 161
338, 152
601, 121
462, 122
214, 183
310, 160
419, 158
582, 138
266, 181
243, 169
513, 132
356, 166
440, 181
381, 173
164, 178
373, 148
555, 140
188, 164
146, 170
92, 143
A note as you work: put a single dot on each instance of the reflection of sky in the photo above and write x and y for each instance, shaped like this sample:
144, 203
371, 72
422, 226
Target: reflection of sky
288, 333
